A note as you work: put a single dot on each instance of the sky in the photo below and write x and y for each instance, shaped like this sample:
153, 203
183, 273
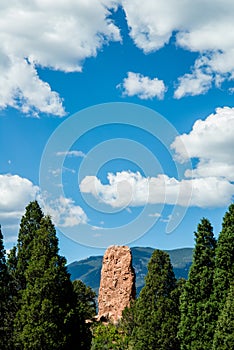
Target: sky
118, 117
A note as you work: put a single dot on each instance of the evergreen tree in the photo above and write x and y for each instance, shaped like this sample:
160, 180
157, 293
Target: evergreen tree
156, 310
12, 263
223, 276
5, 301
196, 325
224, 334
47, 318
85, 311
128, 320
29, 225
85, 297
224, 265
108, 337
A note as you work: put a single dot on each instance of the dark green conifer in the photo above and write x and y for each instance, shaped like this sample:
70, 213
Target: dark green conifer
197, 318
85, 297
29, 225
156, 309
224, 334
6, 324
224, 265
47, 318
223, 279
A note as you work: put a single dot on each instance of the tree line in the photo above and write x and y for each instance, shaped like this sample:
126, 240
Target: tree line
192, 314
41, 309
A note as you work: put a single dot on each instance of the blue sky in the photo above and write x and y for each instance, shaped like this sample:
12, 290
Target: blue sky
105, 109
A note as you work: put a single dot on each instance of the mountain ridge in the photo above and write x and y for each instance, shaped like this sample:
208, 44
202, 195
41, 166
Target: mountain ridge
89, 270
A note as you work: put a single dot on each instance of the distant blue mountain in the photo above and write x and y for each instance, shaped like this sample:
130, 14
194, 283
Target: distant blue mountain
89, 270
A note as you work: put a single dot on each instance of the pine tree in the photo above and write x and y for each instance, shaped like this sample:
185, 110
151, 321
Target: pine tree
156, 309
197, 318
47, 318
224, 334
5, 301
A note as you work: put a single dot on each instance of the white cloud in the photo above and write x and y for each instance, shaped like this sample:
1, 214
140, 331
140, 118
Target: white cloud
132, 189
155, 215
71, 154
210, 184
15, 193
211, 141
193, 84
64, 212
201, 26
58, 171
145, 88
58, 36
21, 88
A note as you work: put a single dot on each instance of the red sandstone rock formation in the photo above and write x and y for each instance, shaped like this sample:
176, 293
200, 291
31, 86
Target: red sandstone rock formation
117, 287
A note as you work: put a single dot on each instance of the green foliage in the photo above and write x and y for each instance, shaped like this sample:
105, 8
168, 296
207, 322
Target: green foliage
197, 318
224, 334
128, 320
108, 337
224, 266
223, 283
41, 309
6, 324
47, 317
156, 310
85, 311
85, 297
29, 225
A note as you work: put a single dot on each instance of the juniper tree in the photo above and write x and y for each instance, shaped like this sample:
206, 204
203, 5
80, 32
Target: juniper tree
224, 265
224, 334
6, 321
156, 310
85, 311
47, 317
223, 277
197, 318
29, 225
85, 297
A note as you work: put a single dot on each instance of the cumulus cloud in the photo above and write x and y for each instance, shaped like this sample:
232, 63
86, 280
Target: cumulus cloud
65, 213
201, 26
44, 34
132, 189
211, 142
21, 88
196, 83
145, 88
210, 184
15, 194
